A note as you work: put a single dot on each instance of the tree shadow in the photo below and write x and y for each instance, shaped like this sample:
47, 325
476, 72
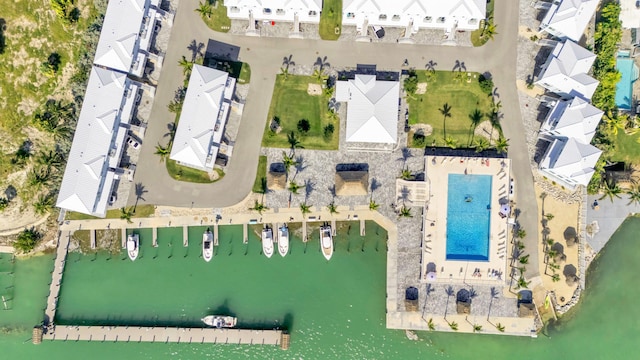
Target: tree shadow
375, 185
139, 191
405, 155
321, 63
287, 61
3, 28
431, 65
309, 187
196, 49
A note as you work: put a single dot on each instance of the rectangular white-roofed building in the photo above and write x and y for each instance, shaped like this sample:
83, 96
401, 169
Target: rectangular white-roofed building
203, 117
126, 35
307, 11
98, 142
565, 71
630, 14
428, 14
372, 109
570, 162
574, 118
567, 19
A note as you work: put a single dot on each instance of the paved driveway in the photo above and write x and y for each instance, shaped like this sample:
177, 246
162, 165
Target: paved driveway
265, 56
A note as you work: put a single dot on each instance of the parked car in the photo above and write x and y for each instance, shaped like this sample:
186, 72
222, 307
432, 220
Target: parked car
133, 143
378, 31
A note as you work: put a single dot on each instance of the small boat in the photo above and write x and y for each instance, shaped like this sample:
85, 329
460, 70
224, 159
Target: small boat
267, 242
133, 246
207, 245
326, 241
283, 240
218, 321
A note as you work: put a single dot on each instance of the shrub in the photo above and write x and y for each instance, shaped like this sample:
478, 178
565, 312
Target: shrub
486, 84
328, 132
4, 202
65, 10
411, 82
27, 240
304, 126
419, 140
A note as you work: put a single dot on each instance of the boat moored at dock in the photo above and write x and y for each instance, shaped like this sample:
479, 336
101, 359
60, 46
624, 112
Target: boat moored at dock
326, 241
267, 242
207, 245
283, 240
133, 246
218, 321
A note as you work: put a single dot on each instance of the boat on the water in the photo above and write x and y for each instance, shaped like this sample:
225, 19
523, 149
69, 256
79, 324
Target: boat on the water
133, 246
267, 242
283, 240
218, 321
207, 245
326, 241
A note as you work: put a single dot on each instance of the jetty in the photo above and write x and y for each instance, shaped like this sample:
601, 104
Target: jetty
185, 236
155, 236
362, 227
245, 233
334, 228
56, 276
92, 233
167, 335
123, 237
304, 230
215, 234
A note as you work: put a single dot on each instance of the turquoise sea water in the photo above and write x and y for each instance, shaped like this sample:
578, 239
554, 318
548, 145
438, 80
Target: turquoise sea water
468, 202
334, 309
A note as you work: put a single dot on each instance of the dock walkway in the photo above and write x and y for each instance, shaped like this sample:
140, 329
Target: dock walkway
165, 335
56, 276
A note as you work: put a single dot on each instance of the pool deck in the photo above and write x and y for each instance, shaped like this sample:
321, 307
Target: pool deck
437, 169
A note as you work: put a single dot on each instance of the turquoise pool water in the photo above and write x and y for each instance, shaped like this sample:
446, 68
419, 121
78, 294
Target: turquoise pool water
468, 217
624, 88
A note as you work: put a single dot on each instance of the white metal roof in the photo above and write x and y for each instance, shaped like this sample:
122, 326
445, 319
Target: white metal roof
372, 109
569, 18
87, 164
566, 70
241, 8
201, 108
120, 31
571, 159
629, 14
574, 118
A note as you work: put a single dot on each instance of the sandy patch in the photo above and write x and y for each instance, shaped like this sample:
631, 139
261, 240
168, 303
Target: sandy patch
536, 91
424, 129
486, 130
27, 106
526, 32
314, 89
422, 88
565, 218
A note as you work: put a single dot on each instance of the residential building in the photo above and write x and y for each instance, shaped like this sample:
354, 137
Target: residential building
569, 162
574, 118
372, 109
93, 162
415, 14
303, 11
126, 35
568, 19
566, 71
630, 14
203, 118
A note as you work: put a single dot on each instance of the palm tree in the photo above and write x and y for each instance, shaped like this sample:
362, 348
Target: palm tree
524, 259
319, 75
38, 177
305, 209
634, 195
373, 206
162, 151
500, 327
284, 71
405, 212
449, 291
611, 189
446, 113
293, 187
406, 174
489, 30
450, 142
431, 325
522, 283
477, 328
521, 234
288, 162
476, 118
332, 208
204, 9
294, 143
43, 205
50, 159
126, 214
187, 66
502, 145
555, 277
453, 325
259, 207
481, 144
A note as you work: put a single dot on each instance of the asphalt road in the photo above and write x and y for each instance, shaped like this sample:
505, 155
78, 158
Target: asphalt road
265, 56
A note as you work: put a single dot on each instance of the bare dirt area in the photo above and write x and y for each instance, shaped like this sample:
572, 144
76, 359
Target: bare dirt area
314, 89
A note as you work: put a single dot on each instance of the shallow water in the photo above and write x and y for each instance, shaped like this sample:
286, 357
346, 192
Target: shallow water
333, 309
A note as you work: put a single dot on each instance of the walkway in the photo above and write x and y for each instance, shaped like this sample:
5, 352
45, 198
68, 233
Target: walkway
609, 216
56, 276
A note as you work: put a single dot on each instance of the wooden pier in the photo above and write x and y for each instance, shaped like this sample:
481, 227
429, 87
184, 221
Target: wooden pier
215, 234
362, 227
276, 233
166, 335
185, 236
245, 233
304, 230
93, 238
123, 237
334, 228
155, 236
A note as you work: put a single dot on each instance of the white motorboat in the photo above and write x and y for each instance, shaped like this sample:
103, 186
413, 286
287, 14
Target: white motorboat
219, 321
267, 242
133, 246
326, 241
207, 245
283, 240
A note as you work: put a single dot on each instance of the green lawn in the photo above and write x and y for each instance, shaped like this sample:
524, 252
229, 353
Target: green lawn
291, 103
236, 69
463, 97
141, 211
330, 19
185, 173
476, 40
261, 174
627, 148
219, 21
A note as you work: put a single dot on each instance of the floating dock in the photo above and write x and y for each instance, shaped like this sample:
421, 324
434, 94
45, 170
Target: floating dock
166, 335
362, 227
93, 238
185, 236
155, 236
215, 234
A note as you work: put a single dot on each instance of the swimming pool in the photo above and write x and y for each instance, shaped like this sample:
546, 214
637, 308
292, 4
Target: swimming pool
624, 88
468, 215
